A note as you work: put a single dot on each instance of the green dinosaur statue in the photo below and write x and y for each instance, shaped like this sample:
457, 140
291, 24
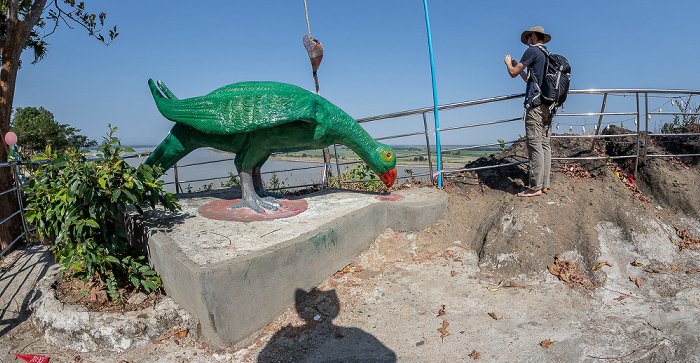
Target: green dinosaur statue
255, 119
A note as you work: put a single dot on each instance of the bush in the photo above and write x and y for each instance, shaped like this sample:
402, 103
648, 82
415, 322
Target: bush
683, 123
79, 204
363, 175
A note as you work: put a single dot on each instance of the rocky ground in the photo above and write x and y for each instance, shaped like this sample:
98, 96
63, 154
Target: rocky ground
601, 268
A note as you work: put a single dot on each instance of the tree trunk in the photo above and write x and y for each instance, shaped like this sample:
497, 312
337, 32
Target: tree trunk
8, 203
16, 35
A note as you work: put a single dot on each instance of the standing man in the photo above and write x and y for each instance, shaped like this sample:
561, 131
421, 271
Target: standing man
538, 116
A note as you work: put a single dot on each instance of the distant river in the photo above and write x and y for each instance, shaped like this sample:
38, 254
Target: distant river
191, 175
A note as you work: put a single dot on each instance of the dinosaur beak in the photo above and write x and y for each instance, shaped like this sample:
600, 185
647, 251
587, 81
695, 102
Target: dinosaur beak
389, 177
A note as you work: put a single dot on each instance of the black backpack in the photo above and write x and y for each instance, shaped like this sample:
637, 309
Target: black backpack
555, 85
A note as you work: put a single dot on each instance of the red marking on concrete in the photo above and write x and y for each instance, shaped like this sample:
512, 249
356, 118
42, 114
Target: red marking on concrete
220, 210
390, 197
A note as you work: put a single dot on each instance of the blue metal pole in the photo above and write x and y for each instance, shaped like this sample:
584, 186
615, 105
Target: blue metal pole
435, 99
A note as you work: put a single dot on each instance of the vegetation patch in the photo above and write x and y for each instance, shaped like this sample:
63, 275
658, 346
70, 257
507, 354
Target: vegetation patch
78, 204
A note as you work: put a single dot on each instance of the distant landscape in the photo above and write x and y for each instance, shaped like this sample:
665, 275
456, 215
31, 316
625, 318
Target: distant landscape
407, 155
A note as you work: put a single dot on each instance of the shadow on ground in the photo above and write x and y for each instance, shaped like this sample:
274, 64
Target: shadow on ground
318, 339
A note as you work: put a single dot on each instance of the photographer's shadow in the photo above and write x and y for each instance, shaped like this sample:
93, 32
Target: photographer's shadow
318, 340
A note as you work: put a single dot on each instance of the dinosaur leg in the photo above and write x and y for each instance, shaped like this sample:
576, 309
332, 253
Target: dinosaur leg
260, 188
250, 198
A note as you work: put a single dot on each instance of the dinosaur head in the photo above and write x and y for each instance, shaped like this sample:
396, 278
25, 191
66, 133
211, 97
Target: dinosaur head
384, 164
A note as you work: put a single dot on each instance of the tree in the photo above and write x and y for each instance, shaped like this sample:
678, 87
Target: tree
36, 129
25, 24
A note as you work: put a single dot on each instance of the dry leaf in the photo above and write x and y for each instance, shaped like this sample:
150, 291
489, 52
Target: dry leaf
498, 287
656, 270
182, 333
674, 268
636, 280
601, 264
475, 355
569, 272
622, 297
638, 264
443, 330
547, 343
453, 273
686, 240
442, 311
689, 272
651, 326
493, 315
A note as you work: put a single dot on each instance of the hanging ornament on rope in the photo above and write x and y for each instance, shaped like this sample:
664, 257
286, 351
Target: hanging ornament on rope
571, 128
314, 49
557, 126
635, 122
673, 102
583, 129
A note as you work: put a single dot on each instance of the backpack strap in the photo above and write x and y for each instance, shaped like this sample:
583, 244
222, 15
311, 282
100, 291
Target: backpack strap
547, 55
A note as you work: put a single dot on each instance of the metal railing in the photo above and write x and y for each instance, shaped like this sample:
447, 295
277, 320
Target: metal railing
637, 111
641, 136
15, 189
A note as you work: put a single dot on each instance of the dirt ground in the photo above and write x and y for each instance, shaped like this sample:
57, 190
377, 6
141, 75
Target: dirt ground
498, 278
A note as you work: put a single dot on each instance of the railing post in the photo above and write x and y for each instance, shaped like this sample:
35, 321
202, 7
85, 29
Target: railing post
18, 184
600, 119
427, 144
178, 189
438, 145
636, 159
337, 164
326, 177
646, 124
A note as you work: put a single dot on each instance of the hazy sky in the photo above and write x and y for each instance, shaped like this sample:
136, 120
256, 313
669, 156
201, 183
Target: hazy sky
376, 57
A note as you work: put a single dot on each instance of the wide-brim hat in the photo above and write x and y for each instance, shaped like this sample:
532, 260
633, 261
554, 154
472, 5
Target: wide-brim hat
535, 29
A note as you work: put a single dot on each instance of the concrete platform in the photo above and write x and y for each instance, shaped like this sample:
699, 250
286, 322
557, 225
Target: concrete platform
236, 277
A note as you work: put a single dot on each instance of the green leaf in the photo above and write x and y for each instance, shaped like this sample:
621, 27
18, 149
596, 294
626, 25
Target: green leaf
130, 196
148, 285
92, 223
134, 281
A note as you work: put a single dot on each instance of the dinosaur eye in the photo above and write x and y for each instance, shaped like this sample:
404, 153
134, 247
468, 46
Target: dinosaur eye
388, 155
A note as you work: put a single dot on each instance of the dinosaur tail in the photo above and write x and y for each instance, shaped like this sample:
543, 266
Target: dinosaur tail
164, 98
165, 90
174, 109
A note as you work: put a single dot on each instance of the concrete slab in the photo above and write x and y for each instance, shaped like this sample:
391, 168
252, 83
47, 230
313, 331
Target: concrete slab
19, 273
236, 277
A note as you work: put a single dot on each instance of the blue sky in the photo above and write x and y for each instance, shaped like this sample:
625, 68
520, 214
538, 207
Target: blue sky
376, 57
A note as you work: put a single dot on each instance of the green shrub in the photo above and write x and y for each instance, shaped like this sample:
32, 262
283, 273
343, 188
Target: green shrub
78, 203
362, 175
682, 122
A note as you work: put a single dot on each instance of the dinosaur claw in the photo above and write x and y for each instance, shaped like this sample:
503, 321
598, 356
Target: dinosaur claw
258, 205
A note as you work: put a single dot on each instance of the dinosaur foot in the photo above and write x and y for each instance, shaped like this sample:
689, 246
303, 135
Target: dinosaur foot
266, 195
258, 204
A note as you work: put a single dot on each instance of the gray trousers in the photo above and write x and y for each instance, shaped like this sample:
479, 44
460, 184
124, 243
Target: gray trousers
538, 128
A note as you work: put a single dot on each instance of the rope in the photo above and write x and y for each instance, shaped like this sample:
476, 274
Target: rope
307, 19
